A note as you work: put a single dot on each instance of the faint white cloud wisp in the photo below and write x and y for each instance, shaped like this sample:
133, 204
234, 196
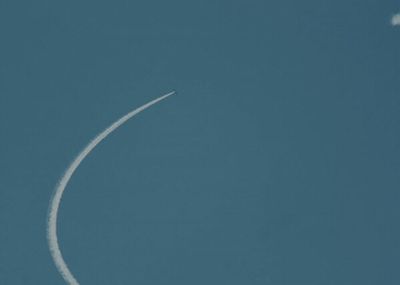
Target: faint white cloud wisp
396, 20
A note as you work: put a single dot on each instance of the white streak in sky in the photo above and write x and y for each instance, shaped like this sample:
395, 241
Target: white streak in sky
56, 199
395, 21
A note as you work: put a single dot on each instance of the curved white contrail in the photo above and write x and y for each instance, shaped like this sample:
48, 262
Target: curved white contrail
56, 199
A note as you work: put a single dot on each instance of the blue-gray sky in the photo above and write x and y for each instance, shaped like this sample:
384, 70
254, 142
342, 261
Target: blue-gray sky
278, 161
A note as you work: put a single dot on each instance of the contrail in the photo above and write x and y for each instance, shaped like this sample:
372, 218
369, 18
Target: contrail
56, 199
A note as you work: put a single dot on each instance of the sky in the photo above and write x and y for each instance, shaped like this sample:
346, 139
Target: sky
277, 161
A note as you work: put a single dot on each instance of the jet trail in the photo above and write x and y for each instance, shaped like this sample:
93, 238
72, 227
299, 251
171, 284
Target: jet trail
56, 199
